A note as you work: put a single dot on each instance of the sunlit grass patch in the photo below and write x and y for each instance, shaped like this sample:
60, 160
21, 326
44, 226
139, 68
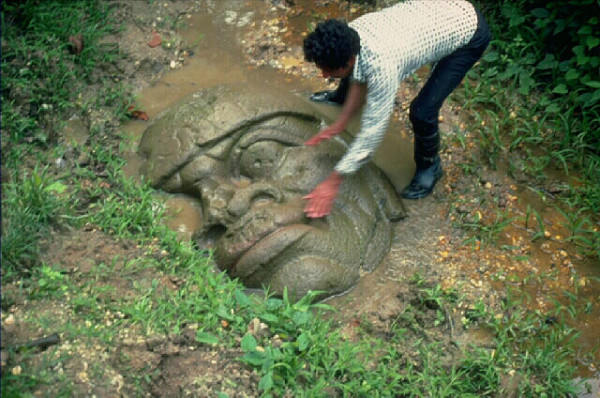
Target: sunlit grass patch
31, 205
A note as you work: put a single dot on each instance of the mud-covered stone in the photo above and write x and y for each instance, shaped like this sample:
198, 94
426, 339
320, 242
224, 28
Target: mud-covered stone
240, 151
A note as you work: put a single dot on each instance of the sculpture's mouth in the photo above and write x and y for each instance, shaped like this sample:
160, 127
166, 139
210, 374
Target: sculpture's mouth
263, 257
259, 236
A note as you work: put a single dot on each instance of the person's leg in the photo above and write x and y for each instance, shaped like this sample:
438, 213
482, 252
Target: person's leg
335, 97
424, 110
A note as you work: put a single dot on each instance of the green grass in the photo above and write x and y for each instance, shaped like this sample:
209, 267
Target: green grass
126, 207
41, 76
32, 205
309, 356
41, 81
302, 351
36, 377
486, 232
540, 100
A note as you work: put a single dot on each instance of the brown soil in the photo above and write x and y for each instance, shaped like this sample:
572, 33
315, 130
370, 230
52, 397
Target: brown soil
428, 243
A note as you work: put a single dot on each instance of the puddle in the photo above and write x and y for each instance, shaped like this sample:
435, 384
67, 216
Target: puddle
218, 59
183, 215
75, 132
570, 272
302, 18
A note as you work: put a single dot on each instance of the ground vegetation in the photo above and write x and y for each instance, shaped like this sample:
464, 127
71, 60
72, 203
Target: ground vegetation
100, 298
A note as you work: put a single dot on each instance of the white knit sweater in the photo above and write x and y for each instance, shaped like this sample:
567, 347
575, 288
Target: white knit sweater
395, 42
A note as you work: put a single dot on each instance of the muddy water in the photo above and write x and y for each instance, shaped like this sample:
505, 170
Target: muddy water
218, 59
569, 272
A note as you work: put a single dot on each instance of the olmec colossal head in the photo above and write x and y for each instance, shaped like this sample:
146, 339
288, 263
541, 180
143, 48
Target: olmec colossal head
239, 151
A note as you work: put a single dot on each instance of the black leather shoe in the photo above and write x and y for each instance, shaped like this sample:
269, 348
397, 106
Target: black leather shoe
423, 182
326, 97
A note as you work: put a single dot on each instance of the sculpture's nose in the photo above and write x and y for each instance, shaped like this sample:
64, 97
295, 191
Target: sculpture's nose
258, 193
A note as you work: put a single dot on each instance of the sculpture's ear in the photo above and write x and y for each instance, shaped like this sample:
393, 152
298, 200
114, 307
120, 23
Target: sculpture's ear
387, 197
394, 207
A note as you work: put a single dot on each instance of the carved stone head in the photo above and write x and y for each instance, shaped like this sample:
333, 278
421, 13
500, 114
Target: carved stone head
239, 151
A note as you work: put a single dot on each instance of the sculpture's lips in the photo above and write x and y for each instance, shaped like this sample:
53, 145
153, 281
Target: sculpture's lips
265, 251
276, 223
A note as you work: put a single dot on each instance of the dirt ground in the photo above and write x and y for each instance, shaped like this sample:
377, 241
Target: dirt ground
428, 243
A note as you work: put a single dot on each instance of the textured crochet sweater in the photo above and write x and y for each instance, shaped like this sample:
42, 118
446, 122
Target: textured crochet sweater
394, 43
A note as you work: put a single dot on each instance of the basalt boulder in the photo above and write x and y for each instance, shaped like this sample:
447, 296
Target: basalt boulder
239, 151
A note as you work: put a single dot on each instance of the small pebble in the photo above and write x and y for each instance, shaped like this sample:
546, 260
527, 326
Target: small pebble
10, 320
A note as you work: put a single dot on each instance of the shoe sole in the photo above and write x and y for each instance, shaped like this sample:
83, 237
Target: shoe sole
327, 102
426, 193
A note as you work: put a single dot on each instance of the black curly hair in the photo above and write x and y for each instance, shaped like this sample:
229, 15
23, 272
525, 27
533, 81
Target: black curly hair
332, 44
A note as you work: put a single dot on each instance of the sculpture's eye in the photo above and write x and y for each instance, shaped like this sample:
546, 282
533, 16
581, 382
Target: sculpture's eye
258, 160
260, 147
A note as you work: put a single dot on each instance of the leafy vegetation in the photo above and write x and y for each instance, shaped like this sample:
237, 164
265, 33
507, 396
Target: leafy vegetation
43, 76
44, 70
30, 208
300, 351
538, 96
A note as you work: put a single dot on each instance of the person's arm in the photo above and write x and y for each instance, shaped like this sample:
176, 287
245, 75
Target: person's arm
382, 90
380, 97
320, 200
354, 101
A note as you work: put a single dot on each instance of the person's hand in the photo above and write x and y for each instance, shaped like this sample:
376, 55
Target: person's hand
320, 200
325, 134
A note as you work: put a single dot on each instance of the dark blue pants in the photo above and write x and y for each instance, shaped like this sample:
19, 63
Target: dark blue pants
444, 78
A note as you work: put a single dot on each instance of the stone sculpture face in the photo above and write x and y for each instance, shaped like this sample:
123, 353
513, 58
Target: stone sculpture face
239, 151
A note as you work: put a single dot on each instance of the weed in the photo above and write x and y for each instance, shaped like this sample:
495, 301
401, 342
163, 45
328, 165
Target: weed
432, 298
417, 279
484, 231
542, 229
460, 137
550, 95
481, 372
50, 282
32, 205
127, 209
478, 312
41, 73
30, 378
